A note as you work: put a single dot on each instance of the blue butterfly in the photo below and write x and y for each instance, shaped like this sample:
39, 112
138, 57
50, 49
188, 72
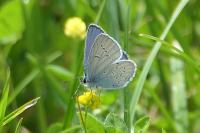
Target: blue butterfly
105, 64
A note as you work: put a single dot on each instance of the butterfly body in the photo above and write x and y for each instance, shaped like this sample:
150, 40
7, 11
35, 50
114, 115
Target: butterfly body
105, 64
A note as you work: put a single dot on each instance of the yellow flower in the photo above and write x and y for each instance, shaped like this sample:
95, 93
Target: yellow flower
89, 99
75, 27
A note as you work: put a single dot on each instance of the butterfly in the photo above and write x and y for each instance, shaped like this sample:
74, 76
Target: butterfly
106, 65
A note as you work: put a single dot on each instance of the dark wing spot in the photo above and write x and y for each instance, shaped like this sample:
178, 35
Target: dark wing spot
97, 56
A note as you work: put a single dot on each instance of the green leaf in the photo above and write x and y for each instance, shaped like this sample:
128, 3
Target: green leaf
93, 125
74, 129
113, 130
142, 124
163, 131
17, 130
60, 72
18, 111
11, 22
112, 120
109, 98
4, 99
52, 57
55, 128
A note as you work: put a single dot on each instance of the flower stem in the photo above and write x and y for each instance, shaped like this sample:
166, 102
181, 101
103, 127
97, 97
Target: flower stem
126, 90
81, 116
100, 12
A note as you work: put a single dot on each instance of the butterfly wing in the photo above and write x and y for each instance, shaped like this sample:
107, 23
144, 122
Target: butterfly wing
117, 75
104, 52
92, 32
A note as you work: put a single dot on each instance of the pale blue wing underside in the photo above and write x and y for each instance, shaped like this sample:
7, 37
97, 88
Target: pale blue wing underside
117, 75
92, 32
105, 64
104, 52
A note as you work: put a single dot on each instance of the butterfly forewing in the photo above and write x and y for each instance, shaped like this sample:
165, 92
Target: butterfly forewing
105, 51
92, 32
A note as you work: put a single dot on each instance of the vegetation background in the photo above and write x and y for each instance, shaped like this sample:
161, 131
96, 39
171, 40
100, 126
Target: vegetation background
44, 62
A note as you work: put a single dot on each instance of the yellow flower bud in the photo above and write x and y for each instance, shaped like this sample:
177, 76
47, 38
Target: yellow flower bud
75, 27
89, 99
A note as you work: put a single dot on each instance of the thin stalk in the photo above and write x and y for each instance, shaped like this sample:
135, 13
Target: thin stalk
81, 116
100, 12
151, 57
41, 113
126, 91
70, 100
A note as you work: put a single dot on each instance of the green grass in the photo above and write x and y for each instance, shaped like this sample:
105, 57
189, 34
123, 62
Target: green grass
151, 58
38, 60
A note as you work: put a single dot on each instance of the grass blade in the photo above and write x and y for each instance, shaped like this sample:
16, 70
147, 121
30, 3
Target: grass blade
179, 94
17, 130
23, 84
60, 72
142, 78
126, 91
175, 50
18, 111
100, 12
4, 99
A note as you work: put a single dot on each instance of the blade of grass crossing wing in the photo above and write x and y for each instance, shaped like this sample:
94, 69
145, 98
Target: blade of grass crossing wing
126, 91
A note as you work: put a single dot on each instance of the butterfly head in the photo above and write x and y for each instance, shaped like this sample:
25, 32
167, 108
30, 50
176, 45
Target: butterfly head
87, 83
83, 80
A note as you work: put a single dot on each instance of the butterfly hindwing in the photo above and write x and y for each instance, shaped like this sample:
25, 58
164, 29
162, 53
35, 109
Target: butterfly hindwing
117, 75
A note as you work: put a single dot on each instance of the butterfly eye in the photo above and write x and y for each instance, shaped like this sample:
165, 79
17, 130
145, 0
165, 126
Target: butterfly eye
84, 80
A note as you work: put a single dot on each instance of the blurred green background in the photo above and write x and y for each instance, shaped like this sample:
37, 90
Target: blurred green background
46, 63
